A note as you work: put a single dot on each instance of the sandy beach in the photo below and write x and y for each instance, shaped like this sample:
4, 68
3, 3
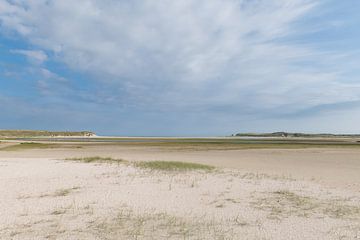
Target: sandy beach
251, 194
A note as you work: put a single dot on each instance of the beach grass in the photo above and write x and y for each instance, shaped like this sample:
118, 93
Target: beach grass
173, 166
96, 159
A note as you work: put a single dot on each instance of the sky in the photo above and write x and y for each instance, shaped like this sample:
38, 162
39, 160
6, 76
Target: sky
180, 68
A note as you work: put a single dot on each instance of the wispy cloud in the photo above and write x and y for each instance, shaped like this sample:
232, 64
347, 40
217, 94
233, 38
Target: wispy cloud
35, 56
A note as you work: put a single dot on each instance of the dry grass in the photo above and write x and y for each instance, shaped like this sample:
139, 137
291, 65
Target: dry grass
60, 192
64, 192
151, 225
283, 204
58, 212
338, 210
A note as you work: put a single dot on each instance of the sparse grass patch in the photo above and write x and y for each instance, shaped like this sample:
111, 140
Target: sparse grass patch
282, 204
152, 225
337, 210
260, 176
96, 159
61, 192
173, 166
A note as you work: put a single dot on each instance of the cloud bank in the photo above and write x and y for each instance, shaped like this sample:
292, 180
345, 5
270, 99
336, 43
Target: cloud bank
233, 57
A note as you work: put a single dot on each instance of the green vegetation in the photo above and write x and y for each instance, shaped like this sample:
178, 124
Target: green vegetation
173, 166
202, 144
33, 133
304, 135
96, 159
153, 165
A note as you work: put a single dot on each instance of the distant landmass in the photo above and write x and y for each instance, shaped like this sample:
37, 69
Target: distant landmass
34, 133
289, 134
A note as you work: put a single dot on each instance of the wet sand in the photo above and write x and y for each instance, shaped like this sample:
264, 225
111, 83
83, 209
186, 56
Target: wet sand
338, 167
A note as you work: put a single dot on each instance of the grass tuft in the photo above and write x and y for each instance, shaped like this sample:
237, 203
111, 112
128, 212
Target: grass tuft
96, 159
173, 166
60, 192
58, 212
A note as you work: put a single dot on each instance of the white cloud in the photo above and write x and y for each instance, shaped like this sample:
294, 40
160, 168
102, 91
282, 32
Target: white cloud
198, 53
35, 56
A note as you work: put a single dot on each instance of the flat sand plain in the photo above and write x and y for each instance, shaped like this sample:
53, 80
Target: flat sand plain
261, 193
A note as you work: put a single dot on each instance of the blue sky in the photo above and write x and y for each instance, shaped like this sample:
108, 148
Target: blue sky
184, 68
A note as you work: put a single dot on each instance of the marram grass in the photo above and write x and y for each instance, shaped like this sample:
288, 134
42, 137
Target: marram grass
173, 166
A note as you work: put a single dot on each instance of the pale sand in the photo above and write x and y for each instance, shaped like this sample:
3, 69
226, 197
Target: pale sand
338, 167
45, 197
